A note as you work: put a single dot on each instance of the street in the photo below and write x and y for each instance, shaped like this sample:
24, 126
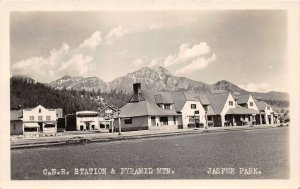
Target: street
252, 154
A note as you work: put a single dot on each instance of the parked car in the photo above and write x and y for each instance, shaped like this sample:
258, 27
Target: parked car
78, 140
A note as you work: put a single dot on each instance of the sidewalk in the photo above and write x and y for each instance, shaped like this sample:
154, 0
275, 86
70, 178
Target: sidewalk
107, 137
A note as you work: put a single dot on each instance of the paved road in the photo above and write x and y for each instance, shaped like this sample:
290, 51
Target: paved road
188, 157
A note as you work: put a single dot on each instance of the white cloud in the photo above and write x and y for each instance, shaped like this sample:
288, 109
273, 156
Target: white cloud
155, 26
259, 87
187, 52
116, 33
138, 62
190, 58
77, 61
93, 41
154, 62
197, 64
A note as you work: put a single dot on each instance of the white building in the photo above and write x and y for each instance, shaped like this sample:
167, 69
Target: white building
266, 113
33, 121
191, 110
224, 111
83, 121
106, 117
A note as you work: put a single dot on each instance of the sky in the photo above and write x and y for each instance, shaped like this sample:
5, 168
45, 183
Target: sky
245, 47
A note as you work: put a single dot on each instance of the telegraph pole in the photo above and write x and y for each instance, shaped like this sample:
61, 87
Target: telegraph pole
119, 121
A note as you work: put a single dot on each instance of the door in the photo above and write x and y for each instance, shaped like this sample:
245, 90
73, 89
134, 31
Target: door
153, 121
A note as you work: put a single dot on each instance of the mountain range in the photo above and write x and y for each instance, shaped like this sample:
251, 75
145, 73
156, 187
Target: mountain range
158, 78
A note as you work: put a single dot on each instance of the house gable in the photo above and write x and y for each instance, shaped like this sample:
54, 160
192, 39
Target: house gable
229, 103
252, 102
268, 109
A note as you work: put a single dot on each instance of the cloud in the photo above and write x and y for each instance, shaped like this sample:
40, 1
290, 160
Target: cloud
155, 26
138, 62
93, 41
187, 52
154, 62
62, 61
190, 58
197, 64
259, 87
116, 33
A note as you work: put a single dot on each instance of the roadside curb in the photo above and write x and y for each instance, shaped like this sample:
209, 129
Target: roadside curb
135, 137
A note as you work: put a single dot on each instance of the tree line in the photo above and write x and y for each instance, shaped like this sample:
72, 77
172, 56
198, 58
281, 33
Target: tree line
26, 93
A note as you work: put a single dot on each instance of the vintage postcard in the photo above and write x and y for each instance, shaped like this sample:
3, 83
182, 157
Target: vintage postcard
100, 94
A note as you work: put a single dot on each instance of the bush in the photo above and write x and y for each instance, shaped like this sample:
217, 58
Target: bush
191, 125
210, 123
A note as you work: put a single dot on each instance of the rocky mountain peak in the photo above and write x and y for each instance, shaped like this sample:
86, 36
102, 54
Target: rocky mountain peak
160, 70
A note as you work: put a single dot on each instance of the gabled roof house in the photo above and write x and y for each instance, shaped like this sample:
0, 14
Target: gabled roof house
224, 110
191, 109
266, 113
34, 120
148, 109
246, 101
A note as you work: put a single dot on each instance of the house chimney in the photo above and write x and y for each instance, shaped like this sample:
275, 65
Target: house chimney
136, 92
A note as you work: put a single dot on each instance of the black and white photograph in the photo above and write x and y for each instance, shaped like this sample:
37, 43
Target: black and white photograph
150, 94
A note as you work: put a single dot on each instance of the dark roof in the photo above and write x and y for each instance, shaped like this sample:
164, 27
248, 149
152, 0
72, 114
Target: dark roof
261, 105
210, 111
242, 99
163, 98
218, 101
179, 100
239, 110
204, 100
148, 106
16, 115
158, 99
153, 108
134, 109
180, 97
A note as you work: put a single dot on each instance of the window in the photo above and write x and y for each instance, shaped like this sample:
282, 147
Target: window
29, 129
40, 110
191, 119
268, 107
194, 119
193, 106
251, 103
14, 126
163, 120
128, 120
174, 119
196, 112
49, 126
230, 103
47, 118
40, 118
31, 118
168, 106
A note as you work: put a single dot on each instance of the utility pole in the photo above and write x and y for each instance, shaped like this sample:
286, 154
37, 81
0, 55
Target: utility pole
119, 121
206, 121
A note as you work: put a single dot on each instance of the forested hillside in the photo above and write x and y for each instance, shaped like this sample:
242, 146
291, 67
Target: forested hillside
27, 93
